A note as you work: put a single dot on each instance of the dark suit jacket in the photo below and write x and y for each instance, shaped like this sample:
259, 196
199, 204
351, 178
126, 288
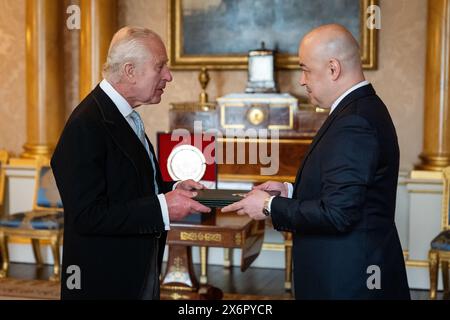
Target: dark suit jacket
113, 230
342, 211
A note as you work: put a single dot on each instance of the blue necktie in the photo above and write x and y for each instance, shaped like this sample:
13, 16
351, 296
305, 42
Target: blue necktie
140, 132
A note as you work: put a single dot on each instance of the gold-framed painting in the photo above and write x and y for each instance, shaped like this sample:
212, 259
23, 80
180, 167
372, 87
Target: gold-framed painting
218, 34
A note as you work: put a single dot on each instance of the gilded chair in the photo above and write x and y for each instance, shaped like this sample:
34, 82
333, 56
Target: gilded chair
44, 222
439, 254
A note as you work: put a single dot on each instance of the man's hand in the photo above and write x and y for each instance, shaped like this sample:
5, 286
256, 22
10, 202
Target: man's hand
180, 204
189, 185
273, 185
252, 205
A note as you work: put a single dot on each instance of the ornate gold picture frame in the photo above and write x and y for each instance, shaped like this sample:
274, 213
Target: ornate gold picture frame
180, 60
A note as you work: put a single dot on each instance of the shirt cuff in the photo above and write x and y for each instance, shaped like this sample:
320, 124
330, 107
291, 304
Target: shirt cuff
164, 211
270, 204
290, 189
175, 185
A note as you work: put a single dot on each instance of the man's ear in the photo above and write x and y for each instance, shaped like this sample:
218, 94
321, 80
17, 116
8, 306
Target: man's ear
129, 72
335, 69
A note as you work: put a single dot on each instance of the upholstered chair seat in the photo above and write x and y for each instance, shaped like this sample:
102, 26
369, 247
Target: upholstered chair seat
442, 241
34, 220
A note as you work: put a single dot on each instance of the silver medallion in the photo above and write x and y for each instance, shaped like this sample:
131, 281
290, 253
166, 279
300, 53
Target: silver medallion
186, 162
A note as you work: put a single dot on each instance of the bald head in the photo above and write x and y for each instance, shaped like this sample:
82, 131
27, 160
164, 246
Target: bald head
331, 63
334, 41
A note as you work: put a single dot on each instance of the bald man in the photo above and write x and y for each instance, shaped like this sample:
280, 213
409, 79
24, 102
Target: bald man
117, 209
341, 206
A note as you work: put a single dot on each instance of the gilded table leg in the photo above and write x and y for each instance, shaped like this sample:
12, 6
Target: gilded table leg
180, 272
37, 252
444, 266
227, 257
288, 260
179, 280
203, 265
56, 264
433, 264
5, 253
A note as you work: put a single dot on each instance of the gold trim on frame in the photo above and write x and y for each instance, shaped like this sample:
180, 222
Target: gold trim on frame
179, 61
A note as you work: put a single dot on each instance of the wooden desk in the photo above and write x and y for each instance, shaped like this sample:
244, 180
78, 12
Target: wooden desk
287, 159
225, 230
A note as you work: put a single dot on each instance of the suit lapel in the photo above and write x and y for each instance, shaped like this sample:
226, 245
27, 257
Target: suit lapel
353, 96
124, 136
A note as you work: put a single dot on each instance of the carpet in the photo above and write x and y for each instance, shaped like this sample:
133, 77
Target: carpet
47, 290
29, 289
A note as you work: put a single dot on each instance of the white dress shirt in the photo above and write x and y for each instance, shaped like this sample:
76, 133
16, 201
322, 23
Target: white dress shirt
346, 93
125, 109
333, 106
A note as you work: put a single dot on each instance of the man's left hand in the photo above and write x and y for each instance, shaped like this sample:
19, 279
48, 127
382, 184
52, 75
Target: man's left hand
252, 205
190, 185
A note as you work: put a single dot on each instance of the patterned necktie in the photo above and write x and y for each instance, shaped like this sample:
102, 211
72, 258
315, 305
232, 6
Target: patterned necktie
140, 132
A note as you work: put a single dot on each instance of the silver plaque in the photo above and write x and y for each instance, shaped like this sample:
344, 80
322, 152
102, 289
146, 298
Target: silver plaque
186, 162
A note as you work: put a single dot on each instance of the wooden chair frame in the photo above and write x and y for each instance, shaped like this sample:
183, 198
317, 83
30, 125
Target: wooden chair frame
441, 258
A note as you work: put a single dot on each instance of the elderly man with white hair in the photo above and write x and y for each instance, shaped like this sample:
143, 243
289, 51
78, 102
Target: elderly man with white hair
117, 209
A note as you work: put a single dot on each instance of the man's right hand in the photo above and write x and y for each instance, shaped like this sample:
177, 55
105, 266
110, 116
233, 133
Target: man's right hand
275, 186
180, 204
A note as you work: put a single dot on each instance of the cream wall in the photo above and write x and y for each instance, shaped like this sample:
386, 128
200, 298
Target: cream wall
12, 75
399, 79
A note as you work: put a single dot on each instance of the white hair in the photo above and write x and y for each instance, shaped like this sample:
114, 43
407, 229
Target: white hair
127, 46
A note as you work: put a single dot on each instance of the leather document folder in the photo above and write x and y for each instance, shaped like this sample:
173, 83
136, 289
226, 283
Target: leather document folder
219, 198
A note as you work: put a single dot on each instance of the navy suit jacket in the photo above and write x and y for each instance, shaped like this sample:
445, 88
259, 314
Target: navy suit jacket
342, 211
114, 231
